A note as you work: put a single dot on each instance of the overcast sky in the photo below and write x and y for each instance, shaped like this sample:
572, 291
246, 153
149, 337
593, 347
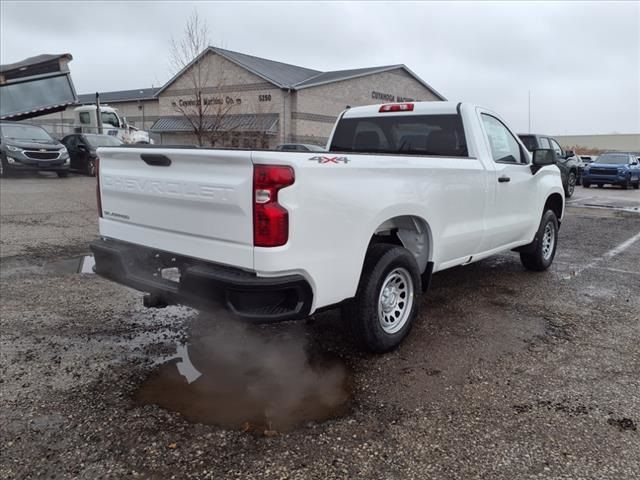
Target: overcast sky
580, 60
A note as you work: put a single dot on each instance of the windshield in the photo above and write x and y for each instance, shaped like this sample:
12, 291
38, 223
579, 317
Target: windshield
24, 132
403, 134
96, 141
617, 158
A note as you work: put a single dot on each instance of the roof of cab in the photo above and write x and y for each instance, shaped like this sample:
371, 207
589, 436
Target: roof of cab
419, 108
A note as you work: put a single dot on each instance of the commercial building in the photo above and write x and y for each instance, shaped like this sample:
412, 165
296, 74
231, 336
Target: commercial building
251, 102
620, 142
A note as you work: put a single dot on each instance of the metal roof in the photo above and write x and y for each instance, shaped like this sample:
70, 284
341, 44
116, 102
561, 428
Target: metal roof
261, 122
337, 75
281, 74
340, 75
119, 96
293, 77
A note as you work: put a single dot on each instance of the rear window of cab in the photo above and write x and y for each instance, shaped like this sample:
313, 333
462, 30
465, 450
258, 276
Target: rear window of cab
439, 135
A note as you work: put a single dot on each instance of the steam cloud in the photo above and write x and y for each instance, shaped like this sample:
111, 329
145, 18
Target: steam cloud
257, 378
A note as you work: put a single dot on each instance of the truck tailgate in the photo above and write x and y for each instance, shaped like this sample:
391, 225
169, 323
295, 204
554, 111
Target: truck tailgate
192, 202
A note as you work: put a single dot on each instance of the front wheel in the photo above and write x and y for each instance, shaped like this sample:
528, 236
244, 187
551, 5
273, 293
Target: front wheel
636, 185
62, 173
586, 184
386, 303
538, 256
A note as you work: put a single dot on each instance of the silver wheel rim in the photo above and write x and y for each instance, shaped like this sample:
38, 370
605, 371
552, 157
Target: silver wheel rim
548, 241
395, 300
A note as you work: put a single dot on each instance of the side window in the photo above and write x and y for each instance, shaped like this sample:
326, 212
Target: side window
556, 147
109, 118
69, 142
85, 118
504, 147
544, 143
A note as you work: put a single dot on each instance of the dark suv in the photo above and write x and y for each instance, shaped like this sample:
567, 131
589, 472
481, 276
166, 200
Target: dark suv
29, 147
568, 163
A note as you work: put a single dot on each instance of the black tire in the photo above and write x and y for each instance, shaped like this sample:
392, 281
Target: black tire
571, 185
636, 185
536, 256
601, 185
625, 184
383, 265
586, 184
90, 168
62, 174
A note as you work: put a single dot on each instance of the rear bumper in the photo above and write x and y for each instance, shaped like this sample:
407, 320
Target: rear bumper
202, 284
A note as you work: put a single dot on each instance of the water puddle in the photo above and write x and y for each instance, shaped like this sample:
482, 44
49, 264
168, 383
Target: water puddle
261, 380
82, 264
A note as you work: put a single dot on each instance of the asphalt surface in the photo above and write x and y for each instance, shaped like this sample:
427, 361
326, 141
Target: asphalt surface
507, 374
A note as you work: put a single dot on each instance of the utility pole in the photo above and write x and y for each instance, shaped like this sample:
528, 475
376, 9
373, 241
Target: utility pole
98, 114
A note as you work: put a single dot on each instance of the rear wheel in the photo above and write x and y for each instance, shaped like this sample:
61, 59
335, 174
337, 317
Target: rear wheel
538, 256
91, 167
386, 303
586, 184
571, 185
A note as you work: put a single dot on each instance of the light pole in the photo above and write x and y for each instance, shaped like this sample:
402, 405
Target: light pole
529, 111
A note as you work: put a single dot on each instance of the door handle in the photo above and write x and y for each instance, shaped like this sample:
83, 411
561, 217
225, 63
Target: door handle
504, 179
155, 160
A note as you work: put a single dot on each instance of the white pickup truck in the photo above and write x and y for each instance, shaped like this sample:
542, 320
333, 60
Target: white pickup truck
403, 191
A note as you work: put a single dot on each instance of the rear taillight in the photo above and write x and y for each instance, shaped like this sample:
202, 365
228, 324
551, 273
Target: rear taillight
270, 219
98, 197
396, 107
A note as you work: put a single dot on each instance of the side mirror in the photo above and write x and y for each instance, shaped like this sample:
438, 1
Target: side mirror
569, 153
543, 157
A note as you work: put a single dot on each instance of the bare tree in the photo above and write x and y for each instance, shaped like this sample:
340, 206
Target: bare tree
206, 116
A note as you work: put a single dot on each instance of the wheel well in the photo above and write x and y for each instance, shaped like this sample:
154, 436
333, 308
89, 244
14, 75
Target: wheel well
410, 232
554, 202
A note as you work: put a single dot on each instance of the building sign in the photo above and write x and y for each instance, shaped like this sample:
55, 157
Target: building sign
387, 97
221, 100
208, 101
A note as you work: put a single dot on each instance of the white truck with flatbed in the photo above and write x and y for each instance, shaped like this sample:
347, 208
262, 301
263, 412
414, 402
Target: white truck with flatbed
403, 191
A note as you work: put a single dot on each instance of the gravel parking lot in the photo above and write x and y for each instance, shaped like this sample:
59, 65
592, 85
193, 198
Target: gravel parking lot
507, 374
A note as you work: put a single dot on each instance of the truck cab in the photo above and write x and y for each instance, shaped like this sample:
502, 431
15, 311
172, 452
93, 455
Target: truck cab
85, 120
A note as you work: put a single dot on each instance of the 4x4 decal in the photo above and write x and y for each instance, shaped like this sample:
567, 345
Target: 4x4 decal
321, 159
